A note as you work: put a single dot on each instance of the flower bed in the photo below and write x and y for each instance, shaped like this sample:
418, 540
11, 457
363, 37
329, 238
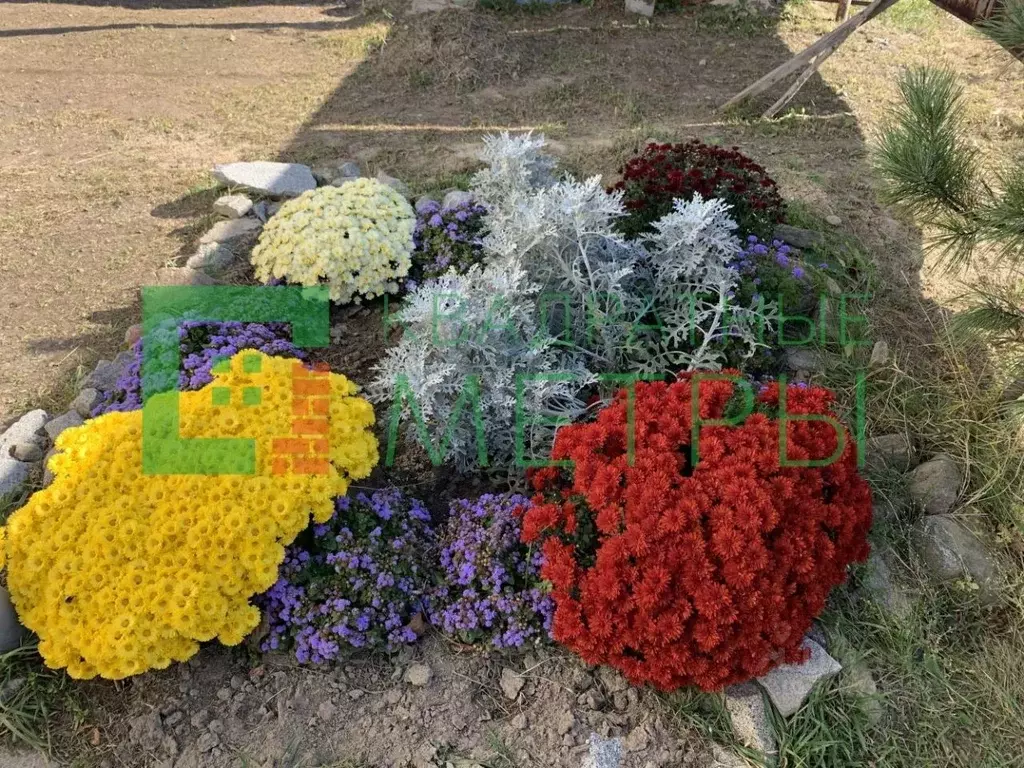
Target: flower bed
519, 305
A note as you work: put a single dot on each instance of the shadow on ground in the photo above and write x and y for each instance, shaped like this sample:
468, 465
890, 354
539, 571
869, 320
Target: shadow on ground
598, 84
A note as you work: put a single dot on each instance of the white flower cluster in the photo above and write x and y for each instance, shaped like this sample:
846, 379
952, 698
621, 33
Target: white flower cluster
356, 238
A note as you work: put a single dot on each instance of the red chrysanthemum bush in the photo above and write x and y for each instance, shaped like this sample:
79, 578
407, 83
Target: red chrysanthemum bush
662, 173
701, 575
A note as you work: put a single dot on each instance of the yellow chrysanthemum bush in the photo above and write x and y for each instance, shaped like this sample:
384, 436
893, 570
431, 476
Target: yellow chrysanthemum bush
356, 238
119, 571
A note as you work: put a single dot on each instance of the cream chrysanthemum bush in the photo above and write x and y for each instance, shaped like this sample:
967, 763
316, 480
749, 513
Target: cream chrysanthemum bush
118, 571
357, 238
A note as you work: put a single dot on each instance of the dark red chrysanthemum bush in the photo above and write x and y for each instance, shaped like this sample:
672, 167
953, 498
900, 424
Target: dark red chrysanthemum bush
662, 173
707, 574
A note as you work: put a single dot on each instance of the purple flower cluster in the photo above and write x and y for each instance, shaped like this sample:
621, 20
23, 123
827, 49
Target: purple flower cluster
358, 584
490, 582
201, 346
774, 272
446, 237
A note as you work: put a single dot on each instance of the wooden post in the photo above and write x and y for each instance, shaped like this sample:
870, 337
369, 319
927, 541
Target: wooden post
813, 53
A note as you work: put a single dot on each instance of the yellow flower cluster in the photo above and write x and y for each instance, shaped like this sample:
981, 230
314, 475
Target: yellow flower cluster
119, 571
357, 238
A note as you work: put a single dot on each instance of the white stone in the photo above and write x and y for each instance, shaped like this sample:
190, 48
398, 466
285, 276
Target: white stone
13, 476
232, 206
457, 197
879, 354
212, 258
27, 429
749, 718
789, 685
183, 276
396, 184
27, 452
232, 232
273, 179
833, 220
641, 7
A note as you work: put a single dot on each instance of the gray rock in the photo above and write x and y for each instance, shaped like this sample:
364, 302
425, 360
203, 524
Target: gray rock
859, 681
214, 258
935, 485
456, 197
232, 206
833, 220
259, 210
12, 633
183, 276
272, 179
520, 722
396, 184
418, 675
348, 171
337, 173
27, 452
797, 237
603, 752
803, 359
27, 429
14, 475
641, 7
234, 233
895, 452
103, 377
86, 401
883, 510
749, 717
879, 354
511, 683
951, 551
66, 420
789, 685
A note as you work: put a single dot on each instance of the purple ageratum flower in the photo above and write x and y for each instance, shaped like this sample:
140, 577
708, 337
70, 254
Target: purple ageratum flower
201, 346
490, 582
352, 587
446, 238
798, 273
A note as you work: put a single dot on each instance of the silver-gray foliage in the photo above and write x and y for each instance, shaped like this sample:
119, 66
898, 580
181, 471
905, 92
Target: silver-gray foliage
562, 295
477, 334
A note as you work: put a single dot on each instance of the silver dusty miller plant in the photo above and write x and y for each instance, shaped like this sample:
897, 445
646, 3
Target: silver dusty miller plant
563, 296
474, 363
689, 285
